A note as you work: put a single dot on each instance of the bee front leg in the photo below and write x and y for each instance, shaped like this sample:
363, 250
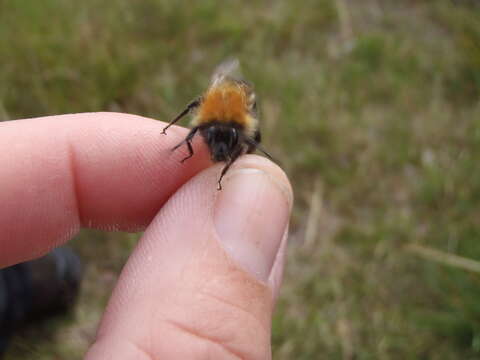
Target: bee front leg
230, 161
194, 104
188, 141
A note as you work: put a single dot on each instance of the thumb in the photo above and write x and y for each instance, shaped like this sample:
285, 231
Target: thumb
202, 282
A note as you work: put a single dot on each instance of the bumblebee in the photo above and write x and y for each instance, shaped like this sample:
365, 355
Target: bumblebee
225, 116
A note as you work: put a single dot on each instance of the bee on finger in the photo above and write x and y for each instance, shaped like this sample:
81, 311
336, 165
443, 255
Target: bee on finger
225, 116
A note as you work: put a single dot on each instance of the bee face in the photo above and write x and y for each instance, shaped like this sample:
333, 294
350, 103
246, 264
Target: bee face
222, 140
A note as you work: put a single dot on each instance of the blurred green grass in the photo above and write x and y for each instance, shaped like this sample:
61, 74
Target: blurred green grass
373, 108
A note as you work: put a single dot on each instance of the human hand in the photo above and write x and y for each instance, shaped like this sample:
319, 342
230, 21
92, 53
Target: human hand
202, 281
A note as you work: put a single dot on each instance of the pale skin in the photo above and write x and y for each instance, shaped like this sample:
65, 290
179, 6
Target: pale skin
203, 279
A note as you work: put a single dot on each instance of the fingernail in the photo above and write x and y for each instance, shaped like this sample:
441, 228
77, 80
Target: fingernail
251, 216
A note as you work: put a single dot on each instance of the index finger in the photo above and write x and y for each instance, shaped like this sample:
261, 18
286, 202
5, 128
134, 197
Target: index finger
102, 170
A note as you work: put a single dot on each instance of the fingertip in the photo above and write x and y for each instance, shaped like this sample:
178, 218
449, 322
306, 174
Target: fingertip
274, 171
195, 270
251, 216
109, 171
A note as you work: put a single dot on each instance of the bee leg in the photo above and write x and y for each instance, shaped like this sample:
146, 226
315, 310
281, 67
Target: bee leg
188, 141
194, 104
227, 166
253, 145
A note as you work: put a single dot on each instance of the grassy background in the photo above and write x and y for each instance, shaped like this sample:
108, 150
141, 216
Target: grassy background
373, 108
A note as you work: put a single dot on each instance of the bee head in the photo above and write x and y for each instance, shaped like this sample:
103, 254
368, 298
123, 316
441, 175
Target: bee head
222, 141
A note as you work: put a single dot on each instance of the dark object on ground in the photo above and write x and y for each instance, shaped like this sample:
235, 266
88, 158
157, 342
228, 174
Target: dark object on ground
37, 289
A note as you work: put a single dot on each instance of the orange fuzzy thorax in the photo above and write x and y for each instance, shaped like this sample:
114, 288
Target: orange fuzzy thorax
224, 103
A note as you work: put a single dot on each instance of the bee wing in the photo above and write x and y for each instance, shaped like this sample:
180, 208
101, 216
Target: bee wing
228, 68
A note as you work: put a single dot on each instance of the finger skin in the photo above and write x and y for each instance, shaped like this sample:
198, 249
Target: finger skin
101, 170
181, 296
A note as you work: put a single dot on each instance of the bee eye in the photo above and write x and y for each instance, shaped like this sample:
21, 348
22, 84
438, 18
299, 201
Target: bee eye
210, 135
233, 138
